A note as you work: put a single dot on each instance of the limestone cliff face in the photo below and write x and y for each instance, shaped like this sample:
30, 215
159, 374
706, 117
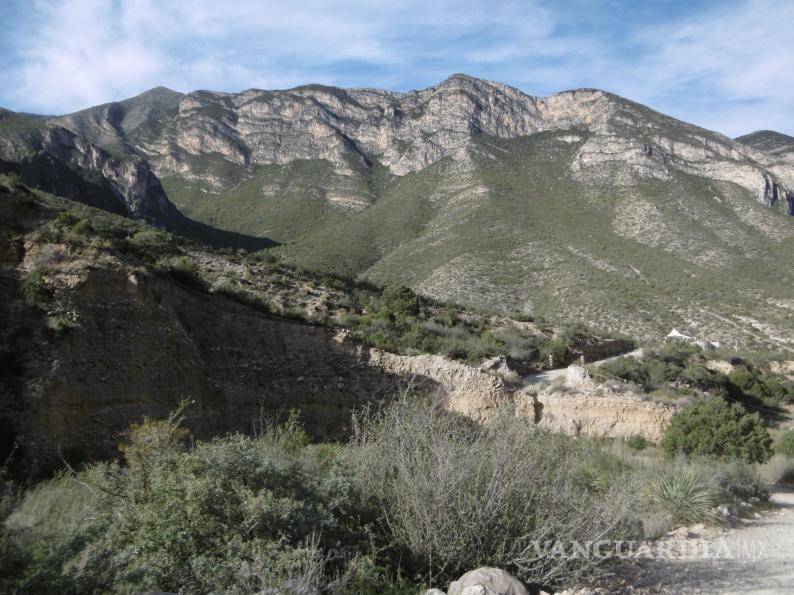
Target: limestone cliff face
776, 152
410, 131
59, 161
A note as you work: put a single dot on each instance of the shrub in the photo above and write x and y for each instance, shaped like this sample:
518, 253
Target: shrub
713, 427
739, 480
83, 227
785, 444
236, 513
779, 469
67, 218
400, 301
455, 495
151, 243
10, 180
627, 368
685, 494
555, 353
754, 383
183, 269
34, 288
231, 290
637, 442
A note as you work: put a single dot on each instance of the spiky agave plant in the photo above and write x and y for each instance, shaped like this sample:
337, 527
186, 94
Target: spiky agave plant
686, 494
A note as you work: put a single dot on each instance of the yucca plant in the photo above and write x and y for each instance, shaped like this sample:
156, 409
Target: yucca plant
685, 494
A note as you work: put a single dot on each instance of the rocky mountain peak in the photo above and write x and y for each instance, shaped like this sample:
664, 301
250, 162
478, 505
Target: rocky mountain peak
768, 140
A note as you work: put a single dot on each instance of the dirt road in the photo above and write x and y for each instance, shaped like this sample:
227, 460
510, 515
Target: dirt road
755, 557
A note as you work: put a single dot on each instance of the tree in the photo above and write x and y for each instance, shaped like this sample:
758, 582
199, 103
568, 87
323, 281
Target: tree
713, 427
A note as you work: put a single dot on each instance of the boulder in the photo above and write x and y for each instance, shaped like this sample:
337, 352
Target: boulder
487, 581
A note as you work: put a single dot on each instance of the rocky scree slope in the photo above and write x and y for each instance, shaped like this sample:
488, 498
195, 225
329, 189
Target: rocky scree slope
581, 205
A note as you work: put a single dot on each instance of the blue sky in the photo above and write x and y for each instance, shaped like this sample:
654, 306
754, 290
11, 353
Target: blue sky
724, 65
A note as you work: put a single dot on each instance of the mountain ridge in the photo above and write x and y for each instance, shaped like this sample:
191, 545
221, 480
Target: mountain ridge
582, 204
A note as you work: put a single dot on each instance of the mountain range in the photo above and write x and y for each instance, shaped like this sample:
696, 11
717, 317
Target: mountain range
581, 205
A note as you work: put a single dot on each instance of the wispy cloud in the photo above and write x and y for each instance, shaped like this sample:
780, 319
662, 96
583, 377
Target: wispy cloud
724, 65
727, 68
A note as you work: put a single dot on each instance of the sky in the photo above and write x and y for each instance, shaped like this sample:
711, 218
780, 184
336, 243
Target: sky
725, 65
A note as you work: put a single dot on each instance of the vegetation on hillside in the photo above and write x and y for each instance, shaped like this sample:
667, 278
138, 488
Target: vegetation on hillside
394, 317
416, 498
680, 370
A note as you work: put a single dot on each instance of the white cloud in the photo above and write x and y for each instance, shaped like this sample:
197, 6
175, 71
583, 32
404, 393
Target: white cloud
726, 68
76, 53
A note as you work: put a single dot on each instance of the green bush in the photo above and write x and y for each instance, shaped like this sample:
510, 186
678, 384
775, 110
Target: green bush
785, 444
555, 353
754, 383
713, 427
83, 227
637, 442
67, 219
236, 513
675, 364
400, 301
183, 269
151, 243
35, 290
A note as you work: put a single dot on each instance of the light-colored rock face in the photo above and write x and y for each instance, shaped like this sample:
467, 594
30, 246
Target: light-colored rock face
784, 368
464, 388
587, 413
409, 131
579, 407
55, 158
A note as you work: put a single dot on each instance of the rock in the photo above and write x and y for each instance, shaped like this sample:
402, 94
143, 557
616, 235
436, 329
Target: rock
433, 592
487, 581
465, 389
578, 377
504, 367
604, 413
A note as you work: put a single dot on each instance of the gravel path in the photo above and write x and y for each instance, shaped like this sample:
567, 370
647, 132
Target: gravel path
755, 557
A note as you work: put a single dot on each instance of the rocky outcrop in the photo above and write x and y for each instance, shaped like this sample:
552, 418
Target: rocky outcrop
586, 413
464, 388
409, 131
578, 406
58, 161
783, 368
775, 152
